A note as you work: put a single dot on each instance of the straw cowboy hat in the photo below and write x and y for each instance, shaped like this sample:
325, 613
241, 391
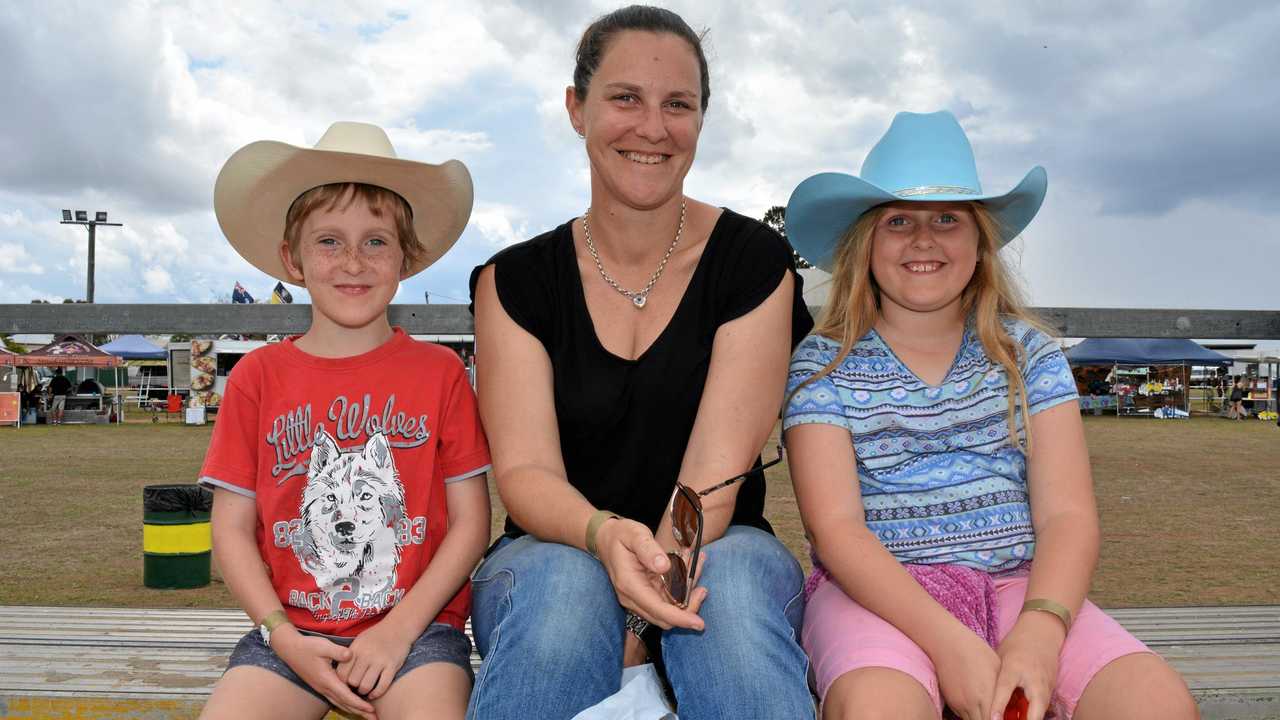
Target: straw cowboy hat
921, 158
261, 180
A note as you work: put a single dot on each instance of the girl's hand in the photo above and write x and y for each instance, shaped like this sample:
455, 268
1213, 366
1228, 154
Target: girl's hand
1029, 660
313, 659
967, 673
376, 656
635, 563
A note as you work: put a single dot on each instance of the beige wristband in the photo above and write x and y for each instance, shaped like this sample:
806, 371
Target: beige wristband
274, 620
1049, 606
593, 527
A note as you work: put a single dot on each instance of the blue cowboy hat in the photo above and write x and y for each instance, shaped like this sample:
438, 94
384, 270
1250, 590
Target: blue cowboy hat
922, 158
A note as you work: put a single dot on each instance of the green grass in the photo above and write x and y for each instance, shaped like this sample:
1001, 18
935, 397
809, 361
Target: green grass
1189, 510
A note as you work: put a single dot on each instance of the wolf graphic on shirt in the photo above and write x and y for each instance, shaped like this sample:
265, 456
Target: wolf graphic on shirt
350, 509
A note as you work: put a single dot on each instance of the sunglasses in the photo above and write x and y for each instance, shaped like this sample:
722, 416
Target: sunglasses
686, 527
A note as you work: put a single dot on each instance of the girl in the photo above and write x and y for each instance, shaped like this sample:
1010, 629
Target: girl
928, 382
1237, 400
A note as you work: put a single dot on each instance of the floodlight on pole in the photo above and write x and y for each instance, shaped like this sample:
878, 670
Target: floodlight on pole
82, 218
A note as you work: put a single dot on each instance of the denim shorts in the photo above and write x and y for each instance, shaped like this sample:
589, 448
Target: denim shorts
440, 642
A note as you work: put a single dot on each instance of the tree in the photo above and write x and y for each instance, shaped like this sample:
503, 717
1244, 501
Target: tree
776, 218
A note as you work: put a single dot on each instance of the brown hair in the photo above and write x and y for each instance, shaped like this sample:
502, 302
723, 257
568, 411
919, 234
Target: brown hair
595, 42
992, 295
340, 196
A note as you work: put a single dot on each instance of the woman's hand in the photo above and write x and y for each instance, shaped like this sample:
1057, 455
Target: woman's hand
376, 656
967, 673
1029, 660
635, 563
313, 659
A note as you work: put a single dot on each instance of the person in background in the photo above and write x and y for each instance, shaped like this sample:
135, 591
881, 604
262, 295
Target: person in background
1275, 398
59, 388
1237, 399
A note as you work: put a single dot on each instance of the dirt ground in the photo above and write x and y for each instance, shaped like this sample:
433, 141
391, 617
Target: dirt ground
1189, 510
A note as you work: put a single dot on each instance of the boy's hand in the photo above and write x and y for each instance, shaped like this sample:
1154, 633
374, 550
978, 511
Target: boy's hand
376, 656
313, 658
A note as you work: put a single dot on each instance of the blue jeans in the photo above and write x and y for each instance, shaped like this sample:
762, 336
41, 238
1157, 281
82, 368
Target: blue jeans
548, 625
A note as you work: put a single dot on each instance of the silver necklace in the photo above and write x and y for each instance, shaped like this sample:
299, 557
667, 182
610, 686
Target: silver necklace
637, 297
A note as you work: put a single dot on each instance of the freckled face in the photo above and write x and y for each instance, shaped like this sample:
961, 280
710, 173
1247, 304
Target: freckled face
923, 254
641, 118
350, 262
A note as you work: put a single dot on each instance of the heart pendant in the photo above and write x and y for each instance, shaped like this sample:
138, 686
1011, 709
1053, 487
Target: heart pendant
638, 300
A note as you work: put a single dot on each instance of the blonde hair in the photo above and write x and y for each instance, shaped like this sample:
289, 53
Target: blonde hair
992, 295
340, 196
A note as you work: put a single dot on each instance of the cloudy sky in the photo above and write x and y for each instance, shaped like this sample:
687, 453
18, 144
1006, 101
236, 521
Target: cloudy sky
1158, 123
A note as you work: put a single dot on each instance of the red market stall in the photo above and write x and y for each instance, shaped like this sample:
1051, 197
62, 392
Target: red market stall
86, 404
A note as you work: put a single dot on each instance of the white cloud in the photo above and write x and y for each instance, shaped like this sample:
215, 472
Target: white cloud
1153, 126
15, 259
436, 146
500, 225
24, 293
157, 280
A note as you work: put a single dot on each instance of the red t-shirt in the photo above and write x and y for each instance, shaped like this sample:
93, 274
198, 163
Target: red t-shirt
347, 459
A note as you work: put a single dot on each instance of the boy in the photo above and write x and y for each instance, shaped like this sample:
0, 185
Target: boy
348, 462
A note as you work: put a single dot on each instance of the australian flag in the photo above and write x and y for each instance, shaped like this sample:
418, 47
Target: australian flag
280, 295
240, 295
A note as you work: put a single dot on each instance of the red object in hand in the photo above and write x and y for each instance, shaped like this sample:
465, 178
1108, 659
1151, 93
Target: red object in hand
1017, 707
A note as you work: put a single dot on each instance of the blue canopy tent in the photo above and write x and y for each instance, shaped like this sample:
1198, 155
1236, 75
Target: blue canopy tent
1131, 358
1143, 351
148, 358
134, 347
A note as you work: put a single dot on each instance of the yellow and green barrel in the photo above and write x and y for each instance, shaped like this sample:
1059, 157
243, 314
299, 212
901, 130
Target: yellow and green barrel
176, 539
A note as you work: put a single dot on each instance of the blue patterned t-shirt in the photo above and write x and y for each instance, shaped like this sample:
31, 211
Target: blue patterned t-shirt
940, 481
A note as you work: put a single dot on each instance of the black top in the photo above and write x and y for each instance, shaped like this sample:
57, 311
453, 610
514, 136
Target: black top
624, 424
59, 385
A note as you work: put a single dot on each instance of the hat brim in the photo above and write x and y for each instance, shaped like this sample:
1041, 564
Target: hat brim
823, 207
259, 183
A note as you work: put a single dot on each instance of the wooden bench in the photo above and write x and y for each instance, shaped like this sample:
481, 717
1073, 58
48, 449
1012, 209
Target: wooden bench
81, 662
128, 663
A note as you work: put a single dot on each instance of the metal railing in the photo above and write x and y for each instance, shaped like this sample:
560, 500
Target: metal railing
455, 319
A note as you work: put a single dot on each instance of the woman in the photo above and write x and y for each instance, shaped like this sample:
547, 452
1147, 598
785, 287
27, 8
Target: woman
1237, 400
598, 397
